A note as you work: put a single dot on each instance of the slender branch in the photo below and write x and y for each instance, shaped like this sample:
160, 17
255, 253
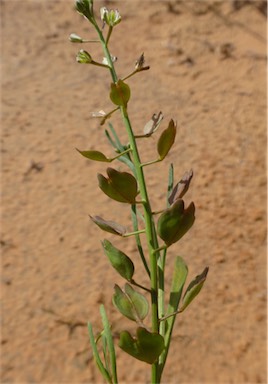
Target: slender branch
140, 286
109, 34
128, 234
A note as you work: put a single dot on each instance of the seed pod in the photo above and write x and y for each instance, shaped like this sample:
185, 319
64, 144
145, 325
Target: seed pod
130, 303
146, 346
166, 140
120, 186
119, 260
175, 222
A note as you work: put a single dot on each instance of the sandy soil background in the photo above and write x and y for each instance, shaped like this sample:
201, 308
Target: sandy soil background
208, 71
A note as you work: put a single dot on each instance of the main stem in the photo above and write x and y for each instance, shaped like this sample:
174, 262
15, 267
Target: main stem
149, 223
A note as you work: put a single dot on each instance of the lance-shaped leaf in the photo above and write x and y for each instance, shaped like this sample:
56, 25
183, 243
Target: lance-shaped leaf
108, 346
193, 289
119, 260
181, 187
178, 280
166, 140
175, 221
130, 303
96, 355
153, 124
95, 155
180, 273
146, 346
120, 93
109, 226
120, 186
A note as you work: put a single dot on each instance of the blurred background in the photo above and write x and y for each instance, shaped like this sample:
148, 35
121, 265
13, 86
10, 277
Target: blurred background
208, 72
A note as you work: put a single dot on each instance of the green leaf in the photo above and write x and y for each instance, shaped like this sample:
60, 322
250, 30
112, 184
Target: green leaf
109, 226
166, 140
180, 273
96, 355
130, 303
120, 93
110, 344
95, 155
146, 346
120, 186
119, 260
120, 148
175, 222
106, 187
193, 289
125, 183
134, 214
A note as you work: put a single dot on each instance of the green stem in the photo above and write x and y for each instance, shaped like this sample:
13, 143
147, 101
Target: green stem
109, 35
106, 52
137, 238
149, 223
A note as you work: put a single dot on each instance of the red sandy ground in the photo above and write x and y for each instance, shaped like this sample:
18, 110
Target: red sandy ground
208, 71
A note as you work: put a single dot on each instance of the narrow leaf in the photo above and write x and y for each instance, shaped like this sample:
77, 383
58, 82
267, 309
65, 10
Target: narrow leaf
134, 214
166, 140
120, 148
96, 355
110, 343
178, 280
180, 273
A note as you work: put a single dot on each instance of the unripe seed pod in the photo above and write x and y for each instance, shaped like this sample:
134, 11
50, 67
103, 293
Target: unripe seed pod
119, 260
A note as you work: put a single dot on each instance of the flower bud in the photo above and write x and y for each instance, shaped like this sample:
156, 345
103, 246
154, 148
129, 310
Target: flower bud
74, 38
85, 8
83, 57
